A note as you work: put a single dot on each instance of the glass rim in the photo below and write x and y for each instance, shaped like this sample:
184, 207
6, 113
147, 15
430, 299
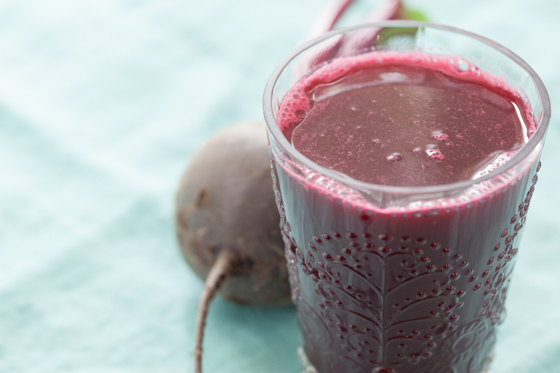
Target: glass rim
274, 129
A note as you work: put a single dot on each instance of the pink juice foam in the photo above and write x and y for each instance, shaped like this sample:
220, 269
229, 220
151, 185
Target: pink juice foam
412, 288
405, 122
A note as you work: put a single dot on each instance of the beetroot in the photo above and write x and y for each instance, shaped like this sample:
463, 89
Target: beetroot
228, 224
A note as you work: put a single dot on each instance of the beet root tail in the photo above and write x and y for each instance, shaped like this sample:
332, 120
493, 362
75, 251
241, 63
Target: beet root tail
220, 271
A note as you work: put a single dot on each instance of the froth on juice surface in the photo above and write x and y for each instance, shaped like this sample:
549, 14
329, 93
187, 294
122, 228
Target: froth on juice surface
399, 121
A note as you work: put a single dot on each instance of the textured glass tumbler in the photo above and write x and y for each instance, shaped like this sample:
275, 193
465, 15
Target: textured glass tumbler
402, 279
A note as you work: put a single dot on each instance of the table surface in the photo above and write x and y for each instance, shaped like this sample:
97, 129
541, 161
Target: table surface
101, 105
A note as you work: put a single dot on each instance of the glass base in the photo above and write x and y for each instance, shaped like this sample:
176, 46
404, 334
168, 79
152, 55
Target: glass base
309, 368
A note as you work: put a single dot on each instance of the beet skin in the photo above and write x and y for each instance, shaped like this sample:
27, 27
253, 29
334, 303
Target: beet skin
226, 202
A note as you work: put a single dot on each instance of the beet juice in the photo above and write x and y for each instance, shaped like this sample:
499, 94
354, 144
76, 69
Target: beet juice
401, 232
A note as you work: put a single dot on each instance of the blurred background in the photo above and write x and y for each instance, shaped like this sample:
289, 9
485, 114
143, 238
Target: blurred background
101, 105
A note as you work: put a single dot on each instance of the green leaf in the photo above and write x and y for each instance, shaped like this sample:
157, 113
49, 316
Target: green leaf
415, 14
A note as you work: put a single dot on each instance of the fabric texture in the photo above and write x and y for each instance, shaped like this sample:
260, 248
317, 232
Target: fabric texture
101, 104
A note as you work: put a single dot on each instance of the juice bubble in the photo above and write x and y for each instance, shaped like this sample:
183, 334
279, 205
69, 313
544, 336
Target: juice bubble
439, 135
462, 65
435, 154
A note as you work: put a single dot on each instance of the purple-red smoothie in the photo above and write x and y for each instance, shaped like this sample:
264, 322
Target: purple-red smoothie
417, 287
408, 126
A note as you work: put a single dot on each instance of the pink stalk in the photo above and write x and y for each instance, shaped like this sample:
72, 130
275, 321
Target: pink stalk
343, 44
328, 18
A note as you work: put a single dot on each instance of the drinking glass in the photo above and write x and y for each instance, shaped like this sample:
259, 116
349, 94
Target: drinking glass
397, 279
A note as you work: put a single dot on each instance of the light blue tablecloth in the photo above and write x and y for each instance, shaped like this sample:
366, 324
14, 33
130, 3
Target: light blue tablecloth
101, 104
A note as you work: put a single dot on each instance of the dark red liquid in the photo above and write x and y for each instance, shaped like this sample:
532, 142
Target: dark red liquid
408, 126
416, 288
